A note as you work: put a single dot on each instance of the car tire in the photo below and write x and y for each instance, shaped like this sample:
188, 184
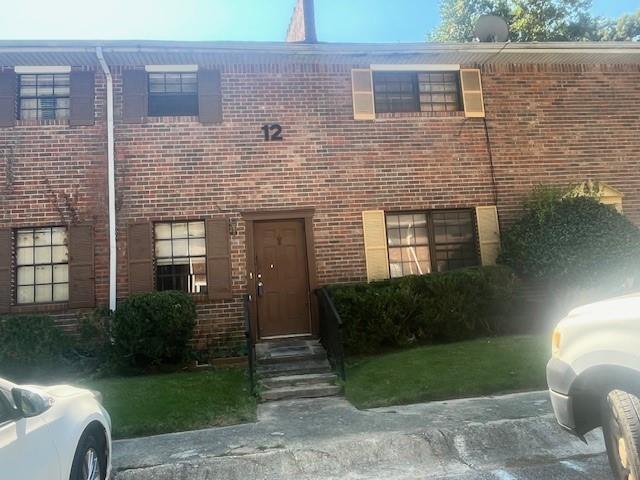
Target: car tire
621, 428
89, 455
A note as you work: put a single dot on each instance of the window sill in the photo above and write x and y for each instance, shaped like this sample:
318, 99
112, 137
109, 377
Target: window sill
40, 307
173, 119
38, 123
391, 115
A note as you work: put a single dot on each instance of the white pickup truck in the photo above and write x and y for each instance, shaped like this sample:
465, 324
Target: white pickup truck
594, 377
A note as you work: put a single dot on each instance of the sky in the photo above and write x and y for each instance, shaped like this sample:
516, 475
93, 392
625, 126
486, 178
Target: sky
262, 20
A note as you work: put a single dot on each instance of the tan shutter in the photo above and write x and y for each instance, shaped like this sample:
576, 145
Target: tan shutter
375, 245
5, 270
209, 96
472, 92
81, 273
363, 104
140, 253
488, 234
218, 260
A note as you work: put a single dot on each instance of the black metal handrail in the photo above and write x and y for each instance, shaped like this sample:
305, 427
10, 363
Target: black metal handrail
331, 331
251, 351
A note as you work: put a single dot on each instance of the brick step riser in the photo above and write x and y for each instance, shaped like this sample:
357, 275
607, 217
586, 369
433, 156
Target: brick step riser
324, 391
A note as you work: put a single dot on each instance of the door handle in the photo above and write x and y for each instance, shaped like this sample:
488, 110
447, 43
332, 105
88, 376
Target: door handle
260, 288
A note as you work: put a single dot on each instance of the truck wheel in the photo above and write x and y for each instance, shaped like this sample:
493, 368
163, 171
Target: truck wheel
621, 428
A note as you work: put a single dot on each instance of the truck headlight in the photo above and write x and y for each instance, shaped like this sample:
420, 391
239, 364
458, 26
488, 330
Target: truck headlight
556, 341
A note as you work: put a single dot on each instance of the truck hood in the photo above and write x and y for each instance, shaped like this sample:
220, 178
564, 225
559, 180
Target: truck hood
626, 306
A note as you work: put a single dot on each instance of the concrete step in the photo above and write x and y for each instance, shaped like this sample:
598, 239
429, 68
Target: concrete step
298, 380
307, 391
294, 368
302, 357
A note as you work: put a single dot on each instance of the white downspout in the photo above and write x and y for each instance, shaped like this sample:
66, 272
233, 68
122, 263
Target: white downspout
111, 182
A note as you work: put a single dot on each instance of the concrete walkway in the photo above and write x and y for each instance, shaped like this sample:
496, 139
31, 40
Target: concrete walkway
329, 438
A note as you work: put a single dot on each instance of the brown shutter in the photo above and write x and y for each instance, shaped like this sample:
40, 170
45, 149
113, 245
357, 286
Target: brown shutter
471, 85
134, 86
375, 245
5, 270
82, 284
488, 234
82, 102
140, 255
363, 103
218, 260
8, 90
209, 96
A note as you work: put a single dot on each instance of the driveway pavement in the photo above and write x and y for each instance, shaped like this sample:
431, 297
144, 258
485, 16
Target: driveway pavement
504, 438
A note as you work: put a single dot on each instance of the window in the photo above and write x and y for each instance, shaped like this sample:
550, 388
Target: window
437, 240
181, 262
6, 411
42, 258
43, 96
173, 94
416, 92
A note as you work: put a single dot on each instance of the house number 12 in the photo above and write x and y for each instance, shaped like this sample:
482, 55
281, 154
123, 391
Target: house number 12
272, 132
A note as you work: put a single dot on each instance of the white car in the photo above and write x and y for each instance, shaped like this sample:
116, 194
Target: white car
53, 433
594, 377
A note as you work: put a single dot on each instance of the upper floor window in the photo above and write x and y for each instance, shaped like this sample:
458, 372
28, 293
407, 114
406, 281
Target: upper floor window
42, 263
180, 253
416, 92
173, 94
43, 96
432, 241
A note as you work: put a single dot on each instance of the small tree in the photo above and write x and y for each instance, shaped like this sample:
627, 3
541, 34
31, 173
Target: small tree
571, 240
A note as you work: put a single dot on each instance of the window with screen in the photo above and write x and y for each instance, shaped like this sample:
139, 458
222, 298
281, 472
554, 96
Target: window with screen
180, 256
431, 241
416, 92
43, 96
173, 94
42, 265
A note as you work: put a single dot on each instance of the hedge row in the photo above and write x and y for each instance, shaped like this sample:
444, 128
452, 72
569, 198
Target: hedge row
441, 307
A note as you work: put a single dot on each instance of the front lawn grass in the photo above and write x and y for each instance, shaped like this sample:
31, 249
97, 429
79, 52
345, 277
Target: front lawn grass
465, 369
152, 404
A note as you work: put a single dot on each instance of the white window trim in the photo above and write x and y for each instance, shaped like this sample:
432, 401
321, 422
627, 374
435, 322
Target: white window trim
435, 67
171, 68
25, 69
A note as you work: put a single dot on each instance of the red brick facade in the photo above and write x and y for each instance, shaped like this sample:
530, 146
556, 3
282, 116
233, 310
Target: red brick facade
544, 123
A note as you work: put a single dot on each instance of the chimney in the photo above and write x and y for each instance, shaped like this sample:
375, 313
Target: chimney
302, 27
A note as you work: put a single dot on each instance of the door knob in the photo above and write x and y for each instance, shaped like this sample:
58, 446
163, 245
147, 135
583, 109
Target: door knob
260, 288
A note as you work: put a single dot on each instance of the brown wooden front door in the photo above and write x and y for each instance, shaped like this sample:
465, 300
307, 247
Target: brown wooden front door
282, 278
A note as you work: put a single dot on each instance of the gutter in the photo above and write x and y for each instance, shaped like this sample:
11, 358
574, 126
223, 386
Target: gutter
111, 181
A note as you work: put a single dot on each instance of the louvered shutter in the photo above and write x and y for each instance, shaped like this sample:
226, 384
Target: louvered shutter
218, 260
140, 258
488, 234
363, 104
209, 96
81, 271
471, 85
5, 270
82, 102
8, 90
135, 98
375, 245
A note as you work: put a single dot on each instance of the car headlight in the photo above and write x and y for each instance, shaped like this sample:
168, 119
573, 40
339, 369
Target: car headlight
556, 341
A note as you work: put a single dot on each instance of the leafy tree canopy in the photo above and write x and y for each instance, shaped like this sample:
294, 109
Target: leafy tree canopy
534, 21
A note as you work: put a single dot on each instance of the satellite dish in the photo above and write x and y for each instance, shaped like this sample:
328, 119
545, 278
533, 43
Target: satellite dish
491, 28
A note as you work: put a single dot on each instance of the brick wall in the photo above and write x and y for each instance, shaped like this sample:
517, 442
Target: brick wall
551, 124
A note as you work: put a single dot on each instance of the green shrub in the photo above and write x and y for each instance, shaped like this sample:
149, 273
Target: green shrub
152, 329
441, 307
573, 241
31, 347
